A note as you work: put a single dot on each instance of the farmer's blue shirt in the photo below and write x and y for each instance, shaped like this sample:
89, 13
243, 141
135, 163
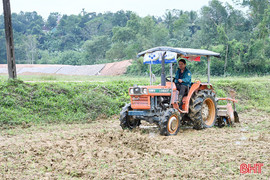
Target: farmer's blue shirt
185, 76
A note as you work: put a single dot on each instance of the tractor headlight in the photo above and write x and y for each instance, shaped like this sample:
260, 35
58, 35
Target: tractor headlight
144, 91
137, 91
131, 91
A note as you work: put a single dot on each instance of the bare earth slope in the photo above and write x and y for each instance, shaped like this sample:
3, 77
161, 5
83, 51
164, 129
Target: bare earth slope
102, 150
110, 69
116, 68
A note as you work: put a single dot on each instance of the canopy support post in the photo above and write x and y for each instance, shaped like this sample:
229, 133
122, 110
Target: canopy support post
150, 69
171, 71
163, 76
208, 69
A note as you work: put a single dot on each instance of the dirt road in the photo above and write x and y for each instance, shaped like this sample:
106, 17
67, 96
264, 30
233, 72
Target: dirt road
101, 150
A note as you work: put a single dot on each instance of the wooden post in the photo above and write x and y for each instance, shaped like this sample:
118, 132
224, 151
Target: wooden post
9, 40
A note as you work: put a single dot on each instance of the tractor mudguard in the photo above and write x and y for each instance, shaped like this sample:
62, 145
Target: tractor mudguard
197, 85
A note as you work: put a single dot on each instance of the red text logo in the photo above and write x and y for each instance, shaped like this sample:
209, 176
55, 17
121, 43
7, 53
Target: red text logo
249, 168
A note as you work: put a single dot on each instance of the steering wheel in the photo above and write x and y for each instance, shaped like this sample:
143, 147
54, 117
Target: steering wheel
168, 79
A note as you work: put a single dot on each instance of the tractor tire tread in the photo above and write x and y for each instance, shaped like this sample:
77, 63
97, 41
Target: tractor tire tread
196, 106
164, 122
124, 118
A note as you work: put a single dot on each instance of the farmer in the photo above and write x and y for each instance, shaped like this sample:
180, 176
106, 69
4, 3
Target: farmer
182, 79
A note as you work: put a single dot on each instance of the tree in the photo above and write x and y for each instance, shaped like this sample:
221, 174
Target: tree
123, 34
96, 49
117, 51
70, 57
134, 23
169, 22
120, 18
52, 20
30, 43
257, 9
3, 51
25, 22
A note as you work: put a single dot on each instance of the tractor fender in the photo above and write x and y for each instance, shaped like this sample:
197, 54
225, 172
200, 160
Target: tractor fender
197, 85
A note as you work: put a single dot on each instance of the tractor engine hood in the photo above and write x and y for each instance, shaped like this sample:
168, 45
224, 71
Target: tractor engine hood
152, 90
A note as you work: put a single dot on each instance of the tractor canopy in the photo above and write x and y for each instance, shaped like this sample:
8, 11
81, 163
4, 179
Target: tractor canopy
154, 55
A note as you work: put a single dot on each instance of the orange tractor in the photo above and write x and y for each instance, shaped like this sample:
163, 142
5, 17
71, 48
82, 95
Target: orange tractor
159, 103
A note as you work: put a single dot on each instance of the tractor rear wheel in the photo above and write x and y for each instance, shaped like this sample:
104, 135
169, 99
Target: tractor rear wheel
170, 123
126, 121
203, 109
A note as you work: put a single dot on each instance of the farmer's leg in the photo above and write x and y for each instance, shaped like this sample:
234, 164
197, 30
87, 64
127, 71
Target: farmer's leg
182, 90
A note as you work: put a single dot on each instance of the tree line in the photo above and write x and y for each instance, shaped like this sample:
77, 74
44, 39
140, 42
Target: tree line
243, 39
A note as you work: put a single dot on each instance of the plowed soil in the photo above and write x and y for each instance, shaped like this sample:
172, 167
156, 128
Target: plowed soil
102, 150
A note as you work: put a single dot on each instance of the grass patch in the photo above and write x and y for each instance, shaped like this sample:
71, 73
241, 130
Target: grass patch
60, 102
64, 100
252, 93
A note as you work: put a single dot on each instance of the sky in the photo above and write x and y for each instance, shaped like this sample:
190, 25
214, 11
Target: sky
141, 7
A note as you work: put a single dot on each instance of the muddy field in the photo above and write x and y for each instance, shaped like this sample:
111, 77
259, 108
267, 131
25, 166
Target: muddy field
101, 150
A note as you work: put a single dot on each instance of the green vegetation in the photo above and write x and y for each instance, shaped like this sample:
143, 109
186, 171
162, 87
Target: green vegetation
101, 97
252, 93
59, 102
242, 38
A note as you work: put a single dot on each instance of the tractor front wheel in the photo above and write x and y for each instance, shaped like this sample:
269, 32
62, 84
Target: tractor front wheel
126, 121
170, 123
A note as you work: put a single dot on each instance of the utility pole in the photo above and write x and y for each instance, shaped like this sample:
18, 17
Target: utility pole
9, 40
